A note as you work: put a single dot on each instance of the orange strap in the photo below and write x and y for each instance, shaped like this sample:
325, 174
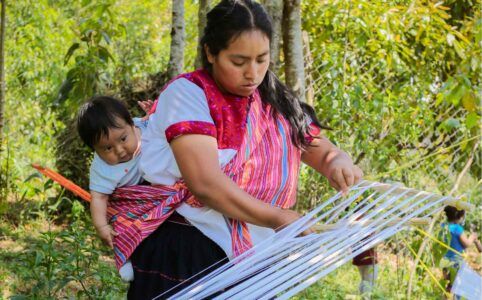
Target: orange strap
67, 184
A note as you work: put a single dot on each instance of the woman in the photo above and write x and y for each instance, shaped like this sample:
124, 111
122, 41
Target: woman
223, 148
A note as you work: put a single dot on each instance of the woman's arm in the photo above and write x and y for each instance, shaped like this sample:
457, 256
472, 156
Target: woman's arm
333, 163
197, 158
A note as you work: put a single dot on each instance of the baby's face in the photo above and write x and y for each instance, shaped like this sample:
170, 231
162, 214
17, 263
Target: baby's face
120, 145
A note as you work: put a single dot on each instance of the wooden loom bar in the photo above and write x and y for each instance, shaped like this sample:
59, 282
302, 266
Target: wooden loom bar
411, 222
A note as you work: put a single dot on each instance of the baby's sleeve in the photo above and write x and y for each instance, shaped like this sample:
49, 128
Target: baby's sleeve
99, 181
182, 108
141, 123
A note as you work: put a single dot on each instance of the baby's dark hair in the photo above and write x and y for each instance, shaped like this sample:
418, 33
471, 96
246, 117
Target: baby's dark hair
453, 214
98, 115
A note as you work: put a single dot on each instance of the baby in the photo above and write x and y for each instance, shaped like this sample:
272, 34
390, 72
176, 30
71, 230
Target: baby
105, 125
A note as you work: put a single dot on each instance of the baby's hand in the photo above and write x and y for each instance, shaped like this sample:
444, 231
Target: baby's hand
106, 234
146, 105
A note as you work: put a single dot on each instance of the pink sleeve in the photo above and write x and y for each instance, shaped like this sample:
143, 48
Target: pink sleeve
190, 127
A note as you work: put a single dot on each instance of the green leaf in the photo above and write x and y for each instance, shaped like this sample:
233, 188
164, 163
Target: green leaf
48, 184
106, 36
104, 54
455, 94
71, 51
460, 51
471, 120
469, 101
450, 39
32, 176
452, 123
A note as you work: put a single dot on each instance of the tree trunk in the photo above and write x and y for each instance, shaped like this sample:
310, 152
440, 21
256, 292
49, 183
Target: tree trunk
2, 69
176, 59
310, 93
204, 6
293, 47
275, 10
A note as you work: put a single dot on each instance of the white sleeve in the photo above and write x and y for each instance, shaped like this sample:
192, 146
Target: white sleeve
141, 123
182, 108
98, 179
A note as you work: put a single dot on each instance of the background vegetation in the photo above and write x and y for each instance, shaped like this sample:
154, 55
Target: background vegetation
398, 81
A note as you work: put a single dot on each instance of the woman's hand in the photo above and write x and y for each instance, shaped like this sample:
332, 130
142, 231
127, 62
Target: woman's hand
197, 158
333, 163
286, 217
342, 173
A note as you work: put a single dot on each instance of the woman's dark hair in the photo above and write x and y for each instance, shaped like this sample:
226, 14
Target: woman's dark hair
98, 115
225, 22
453, 214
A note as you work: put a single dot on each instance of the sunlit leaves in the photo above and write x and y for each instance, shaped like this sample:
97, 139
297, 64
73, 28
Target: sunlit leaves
394, 78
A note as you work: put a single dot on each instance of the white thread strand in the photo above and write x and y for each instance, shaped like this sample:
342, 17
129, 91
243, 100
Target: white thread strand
284, 264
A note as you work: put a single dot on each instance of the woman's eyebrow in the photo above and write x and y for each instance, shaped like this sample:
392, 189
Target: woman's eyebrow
247, 57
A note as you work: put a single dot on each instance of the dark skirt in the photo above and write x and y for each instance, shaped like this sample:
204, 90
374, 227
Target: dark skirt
170, 256
366, 258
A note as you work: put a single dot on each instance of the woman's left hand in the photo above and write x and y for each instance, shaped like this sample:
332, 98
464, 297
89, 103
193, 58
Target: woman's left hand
333, 163
342, 173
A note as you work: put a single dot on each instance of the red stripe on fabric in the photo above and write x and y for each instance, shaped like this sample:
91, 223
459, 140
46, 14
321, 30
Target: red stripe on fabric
140, 210
190, 127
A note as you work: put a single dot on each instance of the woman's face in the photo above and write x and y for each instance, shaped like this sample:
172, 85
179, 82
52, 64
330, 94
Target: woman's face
240, 68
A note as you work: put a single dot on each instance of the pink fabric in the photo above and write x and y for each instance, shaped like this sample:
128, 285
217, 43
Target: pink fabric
191, 127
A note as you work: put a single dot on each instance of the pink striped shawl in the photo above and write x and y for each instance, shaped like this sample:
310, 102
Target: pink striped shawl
266, 166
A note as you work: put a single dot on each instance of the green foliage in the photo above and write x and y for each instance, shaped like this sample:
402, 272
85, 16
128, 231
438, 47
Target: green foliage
66, 263
397, 83
94, 28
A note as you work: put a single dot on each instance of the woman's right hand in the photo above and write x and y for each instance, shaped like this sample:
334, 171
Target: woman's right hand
286, 217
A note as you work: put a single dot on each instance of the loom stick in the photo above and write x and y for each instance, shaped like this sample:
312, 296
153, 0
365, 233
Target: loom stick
412, 222
67, 184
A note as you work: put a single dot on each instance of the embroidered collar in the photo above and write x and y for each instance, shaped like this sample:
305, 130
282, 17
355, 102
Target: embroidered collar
229, 112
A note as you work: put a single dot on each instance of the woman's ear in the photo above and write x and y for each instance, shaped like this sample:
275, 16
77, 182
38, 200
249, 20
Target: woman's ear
209, 56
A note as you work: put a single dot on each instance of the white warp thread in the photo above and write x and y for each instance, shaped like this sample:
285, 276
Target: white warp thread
285, 264
468, 283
